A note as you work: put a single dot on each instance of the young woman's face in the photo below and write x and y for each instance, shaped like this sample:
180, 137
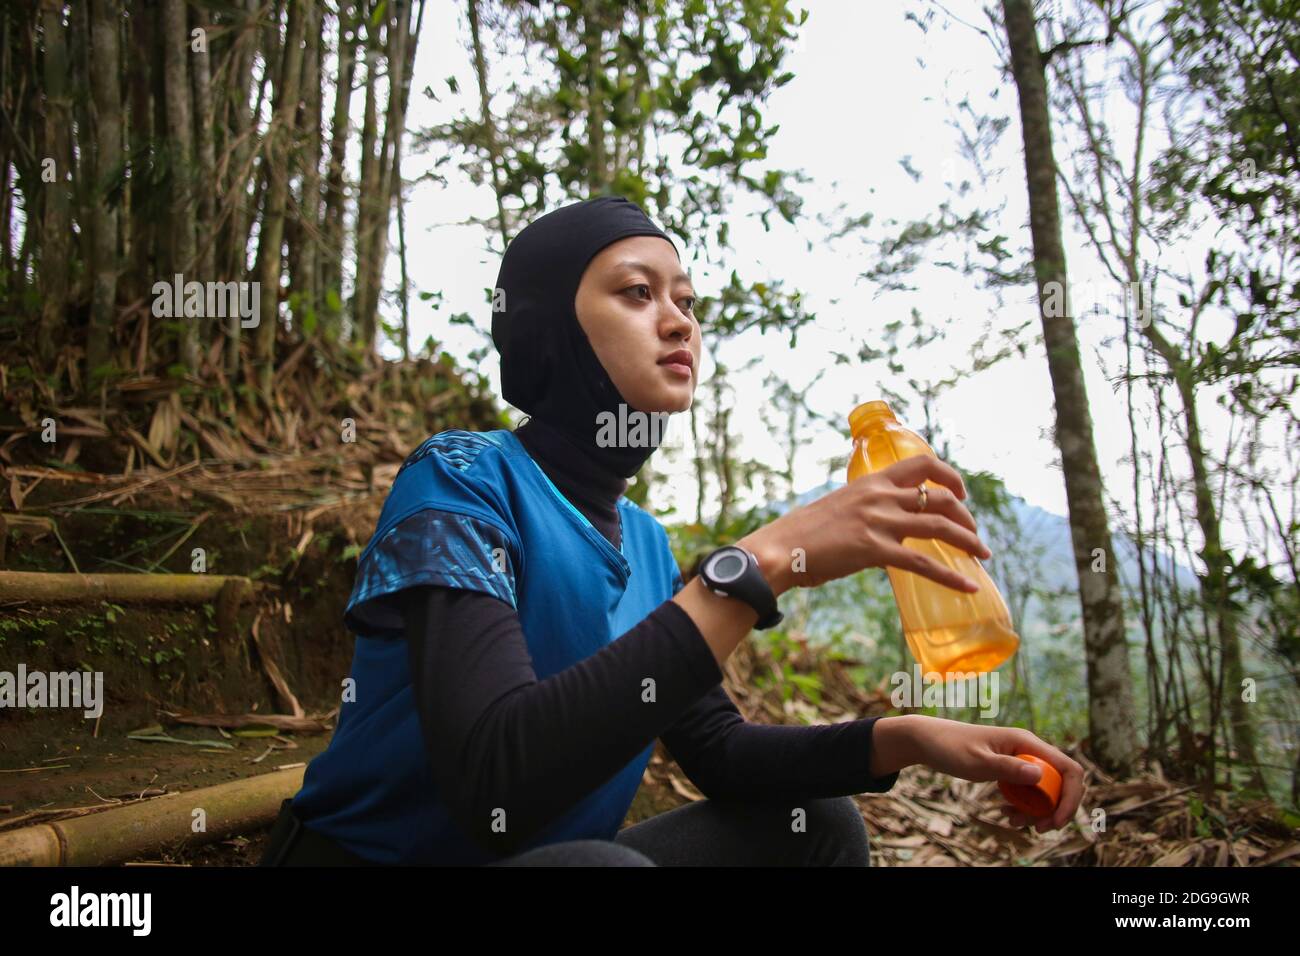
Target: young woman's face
635, 304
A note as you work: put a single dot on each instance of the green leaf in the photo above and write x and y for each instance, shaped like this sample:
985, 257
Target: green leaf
256, 732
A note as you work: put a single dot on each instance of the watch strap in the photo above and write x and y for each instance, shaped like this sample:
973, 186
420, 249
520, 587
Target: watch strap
751, 587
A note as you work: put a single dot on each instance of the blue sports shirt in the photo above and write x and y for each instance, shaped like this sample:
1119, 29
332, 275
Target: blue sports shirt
473, 510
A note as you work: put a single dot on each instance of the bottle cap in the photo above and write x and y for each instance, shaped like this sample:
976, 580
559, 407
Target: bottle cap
868, 412
1034, 799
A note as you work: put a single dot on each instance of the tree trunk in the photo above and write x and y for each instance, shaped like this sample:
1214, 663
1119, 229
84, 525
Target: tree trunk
404, 291
234, 165
700, 473
305, 280
489, 124
180, 127
81, 162
56, 225
331, 259
363, 322
277, 193
594, 37
1215, 587
141, 272
1129, 268
1111, 713
234, 242
6, 200
400, 55
105, 50
398, 197
205, 156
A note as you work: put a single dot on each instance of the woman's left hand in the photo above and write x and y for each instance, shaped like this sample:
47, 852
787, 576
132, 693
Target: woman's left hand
975, 752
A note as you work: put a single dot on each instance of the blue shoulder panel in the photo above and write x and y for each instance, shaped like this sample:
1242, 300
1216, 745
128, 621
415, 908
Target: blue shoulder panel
429, 547
439, 526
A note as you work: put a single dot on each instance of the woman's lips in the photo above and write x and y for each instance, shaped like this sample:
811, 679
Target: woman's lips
679, 362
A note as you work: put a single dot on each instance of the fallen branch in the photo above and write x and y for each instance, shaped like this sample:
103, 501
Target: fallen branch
118, 834
302, 725
273, 674
46, 588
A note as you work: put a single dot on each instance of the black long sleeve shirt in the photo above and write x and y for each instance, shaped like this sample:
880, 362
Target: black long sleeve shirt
497, 737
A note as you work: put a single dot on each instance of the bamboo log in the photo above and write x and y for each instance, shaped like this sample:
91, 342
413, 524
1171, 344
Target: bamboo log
48, 588
142, 828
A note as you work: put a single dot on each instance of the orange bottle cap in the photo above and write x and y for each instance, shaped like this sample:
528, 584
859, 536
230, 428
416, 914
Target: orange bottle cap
1034, 799
866, 412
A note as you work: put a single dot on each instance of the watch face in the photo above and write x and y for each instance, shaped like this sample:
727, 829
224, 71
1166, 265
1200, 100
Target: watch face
728, 566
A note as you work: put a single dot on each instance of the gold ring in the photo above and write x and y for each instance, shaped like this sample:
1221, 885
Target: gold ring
922, 497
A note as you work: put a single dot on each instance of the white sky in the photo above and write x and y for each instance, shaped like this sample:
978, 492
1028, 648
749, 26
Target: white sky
859, 102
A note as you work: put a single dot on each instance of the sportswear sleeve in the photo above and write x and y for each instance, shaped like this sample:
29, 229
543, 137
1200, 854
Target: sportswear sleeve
497, 738
729, 758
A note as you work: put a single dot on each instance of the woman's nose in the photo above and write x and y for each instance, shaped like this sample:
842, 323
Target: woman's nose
671, 313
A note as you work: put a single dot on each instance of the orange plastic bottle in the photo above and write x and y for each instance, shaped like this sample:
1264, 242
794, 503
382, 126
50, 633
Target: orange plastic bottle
948, 631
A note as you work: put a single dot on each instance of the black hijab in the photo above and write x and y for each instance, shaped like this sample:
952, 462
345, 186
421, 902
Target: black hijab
548, 367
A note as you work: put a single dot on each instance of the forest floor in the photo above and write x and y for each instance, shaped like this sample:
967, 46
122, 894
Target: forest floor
926, 820
295, 525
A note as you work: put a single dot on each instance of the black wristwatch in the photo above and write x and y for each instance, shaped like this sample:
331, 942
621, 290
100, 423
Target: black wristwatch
733, 572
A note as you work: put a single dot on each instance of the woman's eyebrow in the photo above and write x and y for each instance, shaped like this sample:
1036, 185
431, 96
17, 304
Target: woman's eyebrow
633, 264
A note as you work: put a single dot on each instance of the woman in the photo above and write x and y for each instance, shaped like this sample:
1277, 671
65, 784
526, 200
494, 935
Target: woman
524, 635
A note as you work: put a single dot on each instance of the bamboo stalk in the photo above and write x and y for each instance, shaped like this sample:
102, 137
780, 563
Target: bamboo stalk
48, 588
142, 828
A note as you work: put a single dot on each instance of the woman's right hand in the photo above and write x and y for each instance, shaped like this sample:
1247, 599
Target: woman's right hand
863, 524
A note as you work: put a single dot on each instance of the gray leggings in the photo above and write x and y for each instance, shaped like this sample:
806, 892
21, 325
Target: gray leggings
830, 832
